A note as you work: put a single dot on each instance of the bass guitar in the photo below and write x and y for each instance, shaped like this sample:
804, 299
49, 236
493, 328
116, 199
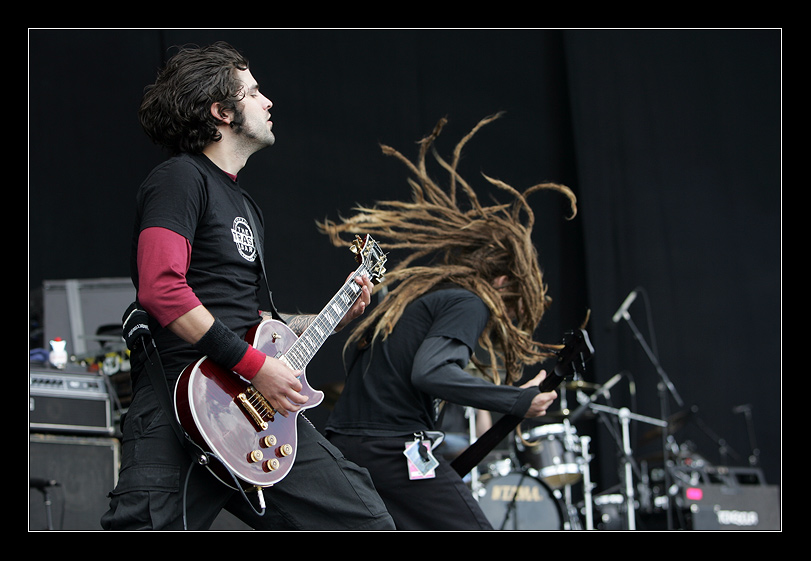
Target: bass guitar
227, 417
576, 351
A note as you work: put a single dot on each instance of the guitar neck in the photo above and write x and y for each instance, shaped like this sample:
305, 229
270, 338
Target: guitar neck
476, 452
303, 350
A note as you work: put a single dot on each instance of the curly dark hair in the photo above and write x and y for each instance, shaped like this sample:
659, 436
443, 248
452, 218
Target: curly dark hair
176, 109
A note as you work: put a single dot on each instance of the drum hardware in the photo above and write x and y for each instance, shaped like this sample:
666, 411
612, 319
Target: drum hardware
546, 462
554, 449
549, 460
560, 458
624, 442
588, 486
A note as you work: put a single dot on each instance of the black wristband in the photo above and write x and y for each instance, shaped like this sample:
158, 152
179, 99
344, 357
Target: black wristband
222, 345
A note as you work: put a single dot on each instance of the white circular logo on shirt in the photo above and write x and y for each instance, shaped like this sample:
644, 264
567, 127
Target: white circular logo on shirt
243, 238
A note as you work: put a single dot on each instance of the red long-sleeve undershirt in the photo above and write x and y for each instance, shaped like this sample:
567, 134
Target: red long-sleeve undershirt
163, 260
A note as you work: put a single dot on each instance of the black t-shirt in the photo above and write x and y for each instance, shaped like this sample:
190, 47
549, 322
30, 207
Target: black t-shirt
191, 196
392, 387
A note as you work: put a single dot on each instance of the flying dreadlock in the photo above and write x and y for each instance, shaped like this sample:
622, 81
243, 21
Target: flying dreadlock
469, 248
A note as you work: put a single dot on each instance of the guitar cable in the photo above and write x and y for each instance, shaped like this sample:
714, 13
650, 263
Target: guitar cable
204, 460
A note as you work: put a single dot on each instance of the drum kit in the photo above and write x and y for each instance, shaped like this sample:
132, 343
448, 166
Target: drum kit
543, 482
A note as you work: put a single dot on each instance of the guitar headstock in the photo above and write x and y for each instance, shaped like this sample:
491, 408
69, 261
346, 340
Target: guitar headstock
369, 254
576, 351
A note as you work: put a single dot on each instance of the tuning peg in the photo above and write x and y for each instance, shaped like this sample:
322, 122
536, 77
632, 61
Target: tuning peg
357, 244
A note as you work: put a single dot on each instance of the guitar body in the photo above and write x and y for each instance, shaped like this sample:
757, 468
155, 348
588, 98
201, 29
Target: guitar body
227, 417
223, 414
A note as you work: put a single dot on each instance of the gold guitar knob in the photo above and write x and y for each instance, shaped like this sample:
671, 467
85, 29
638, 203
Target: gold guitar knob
256, 456
272, 464
269, 441
285, 450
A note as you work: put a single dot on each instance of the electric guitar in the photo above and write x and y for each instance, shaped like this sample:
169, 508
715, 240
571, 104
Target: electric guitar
226, 416
576, 350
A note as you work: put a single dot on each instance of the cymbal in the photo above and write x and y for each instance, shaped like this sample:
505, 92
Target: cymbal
561, 414
583, 386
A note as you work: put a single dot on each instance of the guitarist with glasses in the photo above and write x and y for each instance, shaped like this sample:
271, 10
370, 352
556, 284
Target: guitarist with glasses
482, 287
197, 266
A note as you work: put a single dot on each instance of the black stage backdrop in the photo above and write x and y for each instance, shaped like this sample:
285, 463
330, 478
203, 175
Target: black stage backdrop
671, 140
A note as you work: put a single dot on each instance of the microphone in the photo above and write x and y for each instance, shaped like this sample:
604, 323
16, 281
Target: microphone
624, 308
608, 385
41, 484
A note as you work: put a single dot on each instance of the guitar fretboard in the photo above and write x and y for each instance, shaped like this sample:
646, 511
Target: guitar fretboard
302, 351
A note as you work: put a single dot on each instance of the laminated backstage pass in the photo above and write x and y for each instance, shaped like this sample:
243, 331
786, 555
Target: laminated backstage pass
421, 462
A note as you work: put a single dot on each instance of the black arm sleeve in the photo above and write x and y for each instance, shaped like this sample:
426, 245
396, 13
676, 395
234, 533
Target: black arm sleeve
439, 371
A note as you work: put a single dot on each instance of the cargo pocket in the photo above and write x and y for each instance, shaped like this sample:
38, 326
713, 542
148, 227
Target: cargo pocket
359, 482
145, 498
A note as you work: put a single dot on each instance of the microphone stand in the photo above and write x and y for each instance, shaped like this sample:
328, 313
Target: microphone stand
664, 386
754, 455
43, 488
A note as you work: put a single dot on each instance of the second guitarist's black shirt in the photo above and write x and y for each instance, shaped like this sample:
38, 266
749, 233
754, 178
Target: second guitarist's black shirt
393, 387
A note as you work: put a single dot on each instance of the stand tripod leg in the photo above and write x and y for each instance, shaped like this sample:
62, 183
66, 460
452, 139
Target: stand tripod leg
587, 485
629, 477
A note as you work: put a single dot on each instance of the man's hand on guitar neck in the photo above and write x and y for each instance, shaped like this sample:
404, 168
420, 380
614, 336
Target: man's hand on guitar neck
298, 323
542, 401
360, 304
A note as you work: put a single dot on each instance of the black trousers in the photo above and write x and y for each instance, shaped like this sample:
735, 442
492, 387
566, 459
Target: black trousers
323, 491
441, 503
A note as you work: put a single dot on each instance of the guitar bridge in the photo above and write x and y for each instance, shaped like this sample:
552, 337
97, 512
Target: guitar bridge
257, 407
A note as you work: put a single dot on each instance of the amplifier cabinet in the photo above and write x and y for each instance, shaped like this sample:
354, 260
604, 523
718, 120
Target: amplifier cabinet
733, 507
69, 403
83, 470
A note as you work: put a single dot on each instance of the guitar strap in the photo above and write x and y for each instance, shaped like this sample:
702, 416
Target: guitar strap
260, 253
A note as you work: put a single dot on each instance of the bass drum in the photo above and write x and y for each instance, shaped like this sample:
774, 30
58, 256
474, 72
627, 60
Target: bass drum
519, 501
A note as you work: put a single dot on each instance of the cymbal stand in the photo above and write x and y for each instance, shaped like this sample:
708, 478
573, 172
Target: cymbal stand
582, 458
625, 416
470, 415
585, 456
588, 486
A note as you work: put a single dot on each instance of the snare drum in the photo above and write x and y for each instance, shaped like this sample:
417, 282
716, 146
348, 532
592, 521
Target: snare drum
552, 450
519, 501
